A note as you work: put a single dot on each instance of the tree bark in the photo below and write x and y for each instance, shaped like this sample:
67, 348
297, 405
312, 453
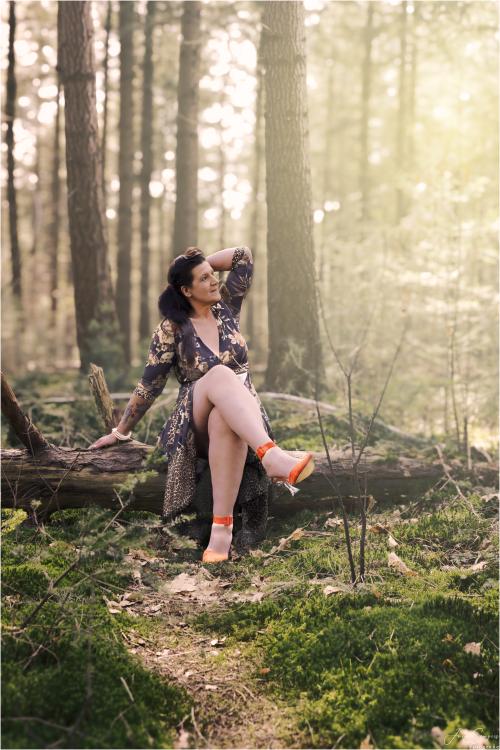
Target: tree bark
109, 13
412, 94
29, 435
365, 113
251, 322
110, 415
295, 358
55, 209
10, 114
66, 478
94, 300
402, 118
186, 152
147, 158
125, 172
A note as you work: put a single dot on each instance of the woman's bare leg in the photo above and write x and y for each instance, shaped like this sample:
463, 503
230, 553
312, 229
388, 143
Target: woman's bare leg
226, 455
220, 387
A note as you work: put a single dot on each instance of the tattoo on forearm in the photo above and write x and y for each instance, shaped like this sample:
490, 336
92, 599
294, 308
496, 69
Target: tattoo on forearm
134, 411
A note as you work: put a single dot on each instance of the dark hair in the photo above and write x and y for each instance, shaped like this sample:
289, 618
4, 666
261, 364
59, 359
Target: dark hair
173, 304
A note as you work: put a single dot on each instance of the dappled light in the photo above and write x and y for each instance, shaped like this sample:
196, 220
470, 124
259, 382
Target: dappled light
250, 374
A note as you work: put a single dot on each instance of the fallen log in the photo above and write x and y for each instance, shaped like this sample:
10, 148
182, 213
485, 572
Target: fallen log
67, 478
27, 433
61, 478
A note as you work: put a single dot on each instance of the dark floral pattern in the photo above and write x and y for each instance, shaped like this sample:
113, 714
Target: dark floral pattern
176, 438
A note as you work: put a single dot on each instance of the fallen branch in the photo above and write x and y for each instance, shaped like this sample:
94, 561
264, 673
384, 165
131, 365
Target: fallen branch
29, 435
109, 413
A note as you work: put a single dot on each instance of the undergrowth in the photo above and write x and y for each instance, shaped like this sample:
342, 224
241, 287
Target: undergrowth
386, 658
77, 424
67, 678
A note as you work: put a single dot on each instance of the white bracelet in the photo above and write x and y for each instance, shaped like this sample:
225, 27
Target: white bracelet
120, 436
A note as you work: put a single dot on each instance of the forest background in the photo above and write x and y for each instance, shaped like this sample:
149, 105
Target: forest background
401, 122
353, 146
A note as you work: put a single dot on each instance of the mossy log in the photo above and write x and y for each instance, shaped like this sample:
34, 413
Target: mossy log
61, 478
65, 478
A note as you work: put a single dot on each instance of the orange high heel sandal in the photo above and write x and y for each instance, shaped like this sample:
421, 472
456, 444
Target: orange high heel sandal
209, 555
300, 471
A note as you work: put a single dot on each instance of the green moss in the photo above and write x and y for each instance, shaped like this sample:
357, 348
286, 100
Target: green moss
354, 664
386, 658
79, 677
24, 579
11, 518
69, 670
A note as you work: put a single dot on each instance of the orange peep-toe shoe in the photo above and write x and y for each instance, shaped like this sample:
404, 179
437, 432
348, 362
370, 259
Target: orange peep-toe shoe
300, 471
209, 555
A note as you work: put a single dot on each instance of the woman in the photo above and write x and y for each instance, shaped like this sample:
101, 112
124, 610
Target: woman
218, 414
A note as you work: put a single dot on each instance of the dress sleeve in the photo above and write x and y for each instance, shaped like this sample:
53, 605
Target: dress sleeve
239, 279
161, 357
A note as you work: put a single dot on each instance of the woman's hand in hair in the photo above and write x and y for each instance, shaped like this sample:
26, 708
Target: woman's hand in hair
222, 260
192, 251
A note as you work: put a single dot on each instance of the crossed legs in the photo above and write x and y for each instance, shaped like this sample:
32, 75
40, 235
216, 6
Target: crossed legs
227, 419
226, 455
220, 388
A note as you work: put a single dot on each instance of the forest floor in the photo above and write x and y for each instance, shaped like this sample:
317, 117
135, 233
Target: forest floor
229, 708
142, 645
204, 635
115, 635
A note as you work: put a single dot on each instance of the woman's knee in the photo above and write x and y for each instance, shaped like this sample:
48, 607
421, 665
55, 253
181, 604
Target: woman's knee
220, 371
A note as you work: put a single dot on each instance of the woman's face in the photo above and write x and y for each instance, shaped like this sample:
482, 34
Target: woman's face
205, 286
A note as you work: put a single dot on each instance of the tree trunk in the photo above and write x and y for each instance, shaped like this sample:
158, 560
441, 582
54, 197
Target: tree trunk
64, 477
87, 223
125, 171
325, 259
34, 277
29, 435
222, 172
147, 152
55, 213
186, 152
10, 114
109, 14
412, 95
295, 359
365, 113
402, 119
251, 326
36, 214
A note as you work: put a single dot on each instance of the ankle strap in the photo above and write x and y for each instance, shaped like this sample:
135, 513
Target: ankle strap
226, 520
262, 449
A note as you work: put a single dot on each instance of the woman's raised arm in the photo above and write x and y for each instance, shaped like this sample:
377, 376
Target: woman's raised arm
222, 259
239, 279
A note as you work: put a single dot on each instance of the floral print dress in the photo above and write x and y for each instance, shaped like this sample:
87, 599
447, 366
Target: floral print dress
166, 352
